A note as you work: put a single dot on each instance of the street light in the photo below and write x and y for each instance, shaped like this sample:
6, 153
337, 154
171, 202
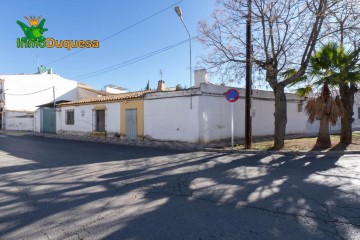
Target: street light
179, 13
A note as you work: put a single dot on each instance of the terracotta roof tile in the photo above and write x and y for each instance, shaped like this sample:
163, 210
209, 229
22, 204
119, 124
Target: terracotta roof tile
114, 97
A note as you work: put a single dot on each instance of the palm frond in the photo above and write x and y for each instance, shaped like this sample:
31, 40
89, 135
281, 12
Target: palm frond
303, 92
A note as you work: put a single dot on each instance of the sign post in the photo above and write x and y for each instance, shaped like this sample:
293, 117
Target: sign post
232, 95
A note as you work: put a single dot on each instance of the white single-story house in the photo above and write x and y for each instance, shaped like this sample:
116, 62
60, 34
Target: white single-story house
200, 114
114, 115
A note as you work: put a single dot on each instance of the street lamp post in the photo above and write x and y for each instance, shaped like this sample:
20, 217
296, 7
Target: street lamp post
179, 13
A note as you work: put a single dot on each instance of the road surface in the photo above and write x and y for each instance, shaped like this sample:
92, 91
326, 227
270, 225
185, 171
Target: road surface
63, 189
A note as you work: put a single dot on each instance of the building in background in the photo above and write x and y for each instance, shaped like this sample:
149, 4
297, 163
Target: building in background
114, 89
27, 98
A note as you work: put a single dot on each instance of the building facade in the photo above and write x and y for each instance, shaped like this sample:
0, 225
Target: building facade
22, 95
115, 115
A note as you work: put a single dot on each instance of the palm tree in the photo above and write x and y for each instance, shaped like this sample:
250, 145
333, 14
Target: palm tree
340, 69
328, 110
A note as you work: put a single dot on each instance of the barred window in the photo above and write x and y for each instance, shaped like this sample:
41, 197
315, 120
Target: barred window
69, 117
100, 120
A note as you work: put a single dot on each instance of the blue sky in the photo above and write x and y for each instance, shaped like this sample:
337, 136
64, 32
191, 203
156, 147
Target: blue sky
92, 19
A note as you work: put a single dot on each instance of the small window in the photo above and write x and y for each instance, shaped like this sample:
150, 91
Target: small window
69, 117
358, 112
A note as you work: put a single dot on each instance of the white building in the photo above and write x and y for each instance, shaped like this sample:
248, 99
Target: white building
115, 89
204, 115
198, 115
23, 93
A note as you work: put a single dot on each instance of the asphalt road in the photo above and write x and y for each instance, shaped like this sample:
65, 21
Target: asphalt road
61, 189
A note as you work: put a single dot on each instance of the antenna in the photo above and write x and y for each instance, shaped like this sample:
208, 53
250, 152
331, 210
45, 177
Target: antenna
161, 73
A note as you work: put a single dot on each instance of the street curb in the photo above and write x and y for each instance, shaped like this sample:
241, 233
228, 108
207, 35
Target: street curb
184, 147
123, 142
270, 152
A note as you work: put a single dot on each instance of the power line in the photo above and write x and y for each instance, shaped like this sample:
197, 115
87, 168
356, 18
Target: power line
114, 34
129, 62
141, 21
24, 94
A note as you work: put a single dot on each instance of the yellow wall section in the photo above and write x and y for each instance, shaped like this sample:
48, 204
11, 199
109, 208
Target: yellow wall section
139, 105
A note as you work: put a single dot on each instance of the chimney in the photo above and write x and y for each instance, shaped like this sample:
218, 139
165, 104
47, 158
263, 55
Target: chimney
200, 77
161, 85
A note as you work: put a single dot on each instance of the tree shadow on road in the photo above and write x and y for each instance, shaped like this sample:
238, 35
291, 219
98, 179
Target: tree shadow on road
182, 196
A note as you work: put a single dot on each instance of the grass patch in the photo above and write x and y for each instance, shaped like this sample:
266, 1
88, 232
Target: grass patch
307, 144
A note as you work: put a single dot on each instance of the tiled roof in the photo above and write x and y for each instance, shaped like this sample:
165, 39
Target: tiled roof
110, 98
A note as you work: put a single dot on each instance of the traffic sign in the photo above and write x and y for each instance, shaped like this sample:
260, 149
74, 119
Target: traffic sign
232, 95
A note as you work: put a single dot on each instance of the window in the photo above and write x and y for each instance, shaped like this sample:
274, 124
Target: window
358, 112
69, 117
100, 120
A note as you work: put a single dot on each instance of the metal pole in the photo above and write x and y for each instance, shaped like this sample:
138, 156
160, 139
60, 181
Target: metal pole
179, 13
232, 125
190, 62
248, 118
54, 95
190, 49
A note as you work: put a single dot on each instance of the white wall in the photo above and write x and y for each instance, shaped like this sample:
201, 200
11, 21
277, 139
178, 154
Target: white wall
19, 121
171, 119
296, 121
215, 118
83, 124
17, 85
356, 116
17, 97
37, 120
167, 115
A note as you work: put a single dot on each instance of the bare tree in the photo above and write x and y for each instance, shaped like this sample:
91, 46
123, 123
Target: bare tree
343, 24
285, 33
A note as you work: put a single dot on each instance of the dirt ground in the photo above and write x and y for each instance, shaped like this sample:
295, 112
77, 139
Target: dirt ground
308, 144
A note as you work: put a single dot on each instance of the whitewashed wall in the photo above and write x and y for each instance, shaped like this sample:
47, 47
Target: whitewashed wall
215, 118
17, 97
37, 121
20, 121
356, 116
168, 116
17, 85
83, 124
171, 118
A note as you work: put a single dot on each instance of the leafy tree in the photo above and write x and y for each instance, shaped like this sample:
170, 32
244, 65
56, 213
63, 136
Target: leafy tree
147, 86
178, 87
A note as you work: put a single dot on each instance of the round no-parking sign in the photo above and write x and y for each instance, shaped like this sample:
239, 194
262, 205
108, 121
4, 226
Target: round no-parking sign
232, 95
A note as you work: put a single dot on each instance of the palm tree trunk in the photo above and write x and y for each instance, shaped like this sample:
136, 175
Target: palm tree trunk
323, 139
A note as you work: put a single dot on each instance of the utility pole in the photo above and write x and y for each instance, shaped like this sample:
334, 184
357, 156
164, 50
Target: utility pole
248, 118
